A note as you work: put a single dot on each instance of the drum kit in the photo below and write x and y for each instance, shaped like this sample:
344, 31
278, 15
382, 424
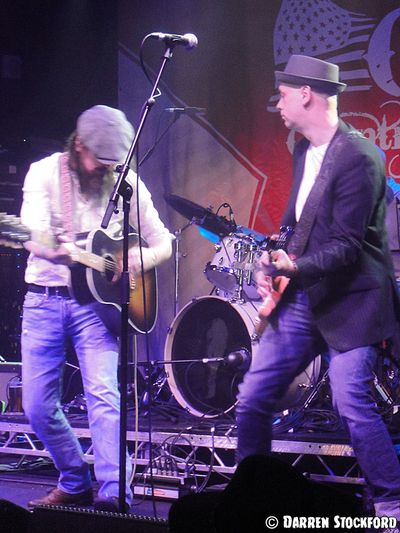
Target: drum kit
212, 339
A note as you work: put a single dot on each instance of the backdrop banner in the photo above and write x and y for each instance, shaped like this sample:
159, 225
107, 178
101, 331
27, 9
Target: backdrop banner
237, 150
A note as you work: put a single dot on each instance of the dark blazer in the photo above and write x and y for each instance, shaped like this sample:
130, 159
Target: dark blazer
346, 267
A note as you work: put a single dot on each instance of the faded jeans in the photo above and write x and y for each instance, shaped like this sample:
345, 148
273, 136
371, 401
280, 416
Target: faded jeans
288, 345
47, 322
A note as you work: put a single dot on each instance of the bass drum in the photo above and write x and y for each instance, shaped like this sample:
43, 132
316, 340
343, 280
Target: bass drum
212, 328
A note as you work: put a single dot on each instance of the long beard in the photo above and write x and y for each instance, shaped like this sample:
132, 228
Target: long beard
92, 184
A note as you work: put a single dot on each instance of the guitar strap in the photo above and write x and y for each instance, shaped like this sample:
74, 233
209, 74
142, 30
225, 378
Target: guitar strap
66, 196
303, 227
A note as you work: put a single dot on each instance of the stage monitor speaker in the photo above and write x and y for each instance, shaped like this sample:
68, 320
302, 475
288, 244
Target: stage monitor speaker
10, 387
64, 520
14, 518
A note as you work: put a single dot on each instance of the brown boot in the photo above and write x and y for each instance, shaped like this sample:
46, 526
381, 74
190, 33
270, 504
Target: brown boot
59, 497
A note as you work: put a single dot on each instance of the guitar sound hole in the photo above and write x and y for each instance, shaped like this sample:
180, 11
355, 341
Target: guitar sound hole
110, 267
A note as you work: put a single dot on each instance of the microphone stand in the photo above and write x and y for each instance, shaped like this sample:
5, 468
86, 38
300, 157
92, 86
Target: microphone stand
122, 188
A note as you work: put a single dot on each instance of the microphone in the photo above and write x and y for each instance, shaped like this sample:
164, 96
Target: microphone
185, 110
189, 40
239, 358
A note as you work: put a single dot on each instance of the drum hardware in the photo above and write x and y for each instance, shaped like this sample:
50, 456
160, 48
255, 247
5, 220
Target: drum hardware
178, 256
153, 386
316, 390
387, 378
383, 392
230, 212
385, 388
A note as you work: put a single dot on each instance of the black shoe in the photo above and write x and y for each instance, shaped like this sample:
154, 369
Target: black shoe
59, 497
109, 505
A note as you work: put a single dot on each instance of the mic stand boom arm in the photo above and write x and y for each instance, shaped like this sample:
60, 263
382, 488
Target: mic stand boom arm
123, 171
122, 188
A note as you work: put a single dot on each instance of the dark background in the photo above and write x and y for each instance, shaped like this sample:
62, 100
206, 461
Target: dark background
57, 58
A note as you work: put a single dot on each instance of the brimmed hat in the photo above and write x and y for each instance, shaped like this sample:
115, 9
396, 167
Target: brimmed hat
106, 132
318, 74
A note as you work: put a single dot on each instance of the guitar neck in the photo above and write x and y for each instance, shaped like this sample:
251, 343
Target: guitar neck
87, 259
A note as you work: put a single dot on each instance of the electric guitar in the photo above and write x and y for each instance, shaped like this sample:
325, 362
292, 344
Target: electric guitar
278, 284
96, 257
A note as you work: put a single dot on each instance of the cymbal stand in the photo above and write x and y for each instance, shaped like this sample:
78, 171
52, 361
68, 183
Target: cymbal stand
178, 255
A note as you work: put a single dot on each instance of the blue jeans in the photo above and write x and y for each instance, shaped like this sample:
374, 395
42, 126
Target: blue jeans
288, 345
47, 323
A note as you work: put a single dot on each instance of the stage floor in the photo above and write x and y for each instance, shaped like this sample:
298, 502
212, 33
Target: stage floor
25, 478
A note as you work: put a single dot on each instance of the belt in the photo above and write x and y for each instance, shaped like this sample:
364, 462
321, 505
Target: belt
49, 291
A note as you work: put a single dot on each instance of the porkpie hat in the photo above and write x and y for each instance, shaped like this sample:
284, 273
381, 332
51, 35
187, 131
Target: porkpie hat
304, 70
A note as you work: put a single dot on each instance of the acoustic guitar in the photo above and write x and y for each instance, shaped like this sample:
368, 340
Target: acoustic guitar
96, 256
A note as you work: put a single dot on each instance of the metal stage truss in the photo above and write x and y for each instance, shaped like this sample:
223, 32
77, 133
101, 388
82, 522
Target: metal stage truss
182, 454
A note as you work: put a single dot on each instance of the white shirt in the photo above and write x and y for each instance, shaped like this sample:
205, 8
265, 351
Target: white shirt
314, 157
42, 211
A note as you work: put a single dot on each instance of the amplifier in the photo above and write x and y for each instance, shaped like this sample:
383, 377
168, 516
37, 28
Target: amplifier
10, 387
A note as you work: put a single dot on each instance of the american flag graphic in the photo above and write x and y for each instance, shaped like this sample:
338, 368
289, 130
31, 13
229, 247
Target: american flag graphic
319, 28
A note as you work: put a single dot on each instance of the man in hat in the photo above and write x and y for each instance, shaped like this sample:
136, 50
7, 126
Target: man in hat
66, 194
341, 297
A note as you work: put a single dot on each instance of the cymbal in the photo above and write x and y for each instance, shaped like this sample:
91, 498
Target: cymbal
200, 215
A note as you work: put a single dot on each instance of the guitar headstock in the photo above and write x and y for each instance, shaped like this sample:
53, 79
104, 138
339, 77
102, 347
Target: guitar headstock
12, 232
279, 242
